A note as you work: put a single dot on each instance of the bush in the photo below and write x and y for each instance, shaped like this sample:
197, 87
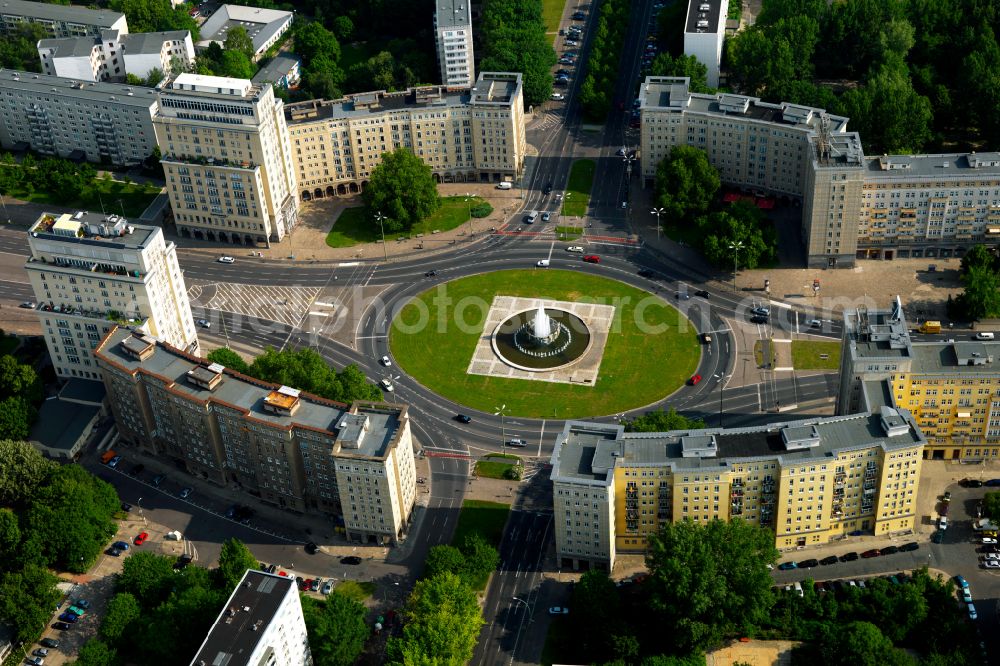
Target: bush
513, 473
481, 210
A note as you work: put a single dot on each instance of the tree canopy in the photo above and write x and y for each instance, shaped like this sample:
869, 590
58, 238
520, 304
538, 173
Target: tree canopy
227, 357
18, 49
512, 39
337, 629
741, 224
156, 16
686, 184
662, 421
402, 189
708, 581
442, 622
238, 39
980, 275
234, 560
604, 59
23, 470
306, 370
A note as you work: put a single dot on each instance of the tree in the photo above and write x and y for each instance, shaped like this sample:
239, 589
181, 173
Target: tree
336, 628
979, 256
27, 598
741, 224
710, 580
481, 559
981, 298
19, 379
18, 49
596, 613
228, 358
512, 38
402, 189
153, 77
860, 644
306, 370
445, 559
123, 609
10, 535
147, 576
314, 41
887, 112
662, 421
343, 27
682, 65
23, 470
96, 652
442, 622
991, 506
235, 64
234, 560
238, 39
686, 184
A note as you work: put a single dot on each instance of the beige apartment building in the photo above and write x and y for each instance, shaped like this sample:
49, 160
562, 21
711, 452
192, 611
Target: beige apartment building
91, 272
951, 388
292, 449
98, 122
809, 481
853, 206
60, 20
464, 135
227, 159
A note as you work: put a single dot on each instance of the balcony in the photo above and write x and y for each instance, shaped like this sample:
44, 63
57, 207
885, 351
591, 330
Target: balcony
201, 160
123, 318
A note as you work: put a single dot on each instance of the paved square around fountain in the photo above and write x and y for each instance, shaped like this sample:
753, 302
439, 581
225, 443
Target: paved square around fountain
584, 371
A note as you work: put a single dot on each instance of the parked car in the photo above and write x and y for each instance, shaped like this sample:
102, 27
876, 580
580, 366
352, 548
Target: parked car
874, 552
114, 461
890, 550
546, 216
182, 561
141, 539
992, 482
327, 587
946, 497
558, 610
786, 566
387, 385
185, 493
702, 293
27, 305
311, 547
350, 559
226, 260
120, 545
204, 323
943, 523
966, 596
808, 564
989, 540
574, 248
972, 612
971, 483
68, 617
907, 547
831, 559
991, 564
314, 585
49, 643
558, 96
385, 361
848, 557
62, 626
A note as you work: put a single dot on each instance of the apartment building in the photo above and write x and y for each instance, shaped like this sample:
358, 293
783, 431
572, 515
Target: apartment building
260, 623
98, 122
111, 56
91, 271
283, 71
951, 388
782, 149
292, 449
60, 20
265, 27
810, 481
474, 135
453, 39
227, 159
704, 32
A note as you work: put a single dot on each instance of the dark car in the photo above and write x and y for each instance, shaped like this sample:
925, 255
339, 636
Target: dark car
992, 482
907, 547
874, 552
272, 569
314, 585
579, 16
113, 552
785, 566
350, 559
430, 273
462, 418
971, 483
848, 557
69, 617
889, 550
758, 319
182, 561
311, 548
548, 188
832, 559
702, 293
808, 564
646, 273
126, 507
62, 626
49, 643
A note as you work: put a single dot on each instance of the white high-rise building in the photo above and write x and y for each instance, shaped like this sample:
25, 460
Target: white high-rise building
261, 623
227, 159
453, 37
91, 272
704, 33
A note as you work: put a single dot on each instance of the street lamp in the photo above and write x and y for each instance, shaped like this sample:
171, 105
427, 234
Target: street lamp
381, 218
658, 212
721, 377
138, 503
501, 412
526, 605
735, 247
472, 220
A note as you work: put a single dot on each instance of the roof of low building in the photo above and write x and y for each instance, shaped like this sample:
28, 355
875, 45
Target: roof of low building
67, 13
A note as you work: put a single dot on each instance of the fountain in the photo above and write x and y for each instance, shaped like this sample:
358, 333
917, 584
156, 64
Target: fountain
543, 340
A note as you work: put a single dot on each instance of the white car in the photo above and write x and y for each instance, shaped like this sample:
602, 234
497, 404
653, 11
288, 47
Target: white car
574, 248
204, 323
226, 260
327, 587
542, 263
815, 323
387, 385
966, 597
972, 612
991, 564
989, 541
558, 96
385, 361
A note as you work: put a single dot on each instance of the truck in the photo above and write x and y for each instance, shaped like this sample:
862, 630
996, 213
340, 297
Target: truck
505, 185
108, 455
930, 327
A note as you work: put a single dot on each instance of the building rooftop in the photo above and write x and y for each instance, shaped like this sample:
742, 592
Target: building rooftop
453, 14
970, 358
216, 85
249, 610
48, 86
260, 24
796, 442
703, 16
906, 167
878, 333
61, 423
94, 229
151, 42
84, 391
68, 13
69, 47
497, 88
256, 398
278, 68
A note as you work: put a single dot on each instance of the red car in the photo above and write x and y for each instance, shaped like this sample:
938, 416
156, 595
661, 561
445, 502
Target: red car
874, 552
694, 380
592, 259
139, 540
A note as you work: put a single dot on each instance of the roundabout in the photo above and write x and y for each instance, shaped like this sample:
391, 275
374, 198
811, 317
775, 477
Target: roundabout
548, 344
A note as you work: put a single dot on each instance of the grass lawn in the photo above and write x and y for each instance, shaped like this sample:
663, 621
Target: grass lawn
495, 466
651, 348
480, 517
807, 355
135, 198
8, 344
353, 227
758, 354
568, 233
359, 591
581, 180
551, 13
